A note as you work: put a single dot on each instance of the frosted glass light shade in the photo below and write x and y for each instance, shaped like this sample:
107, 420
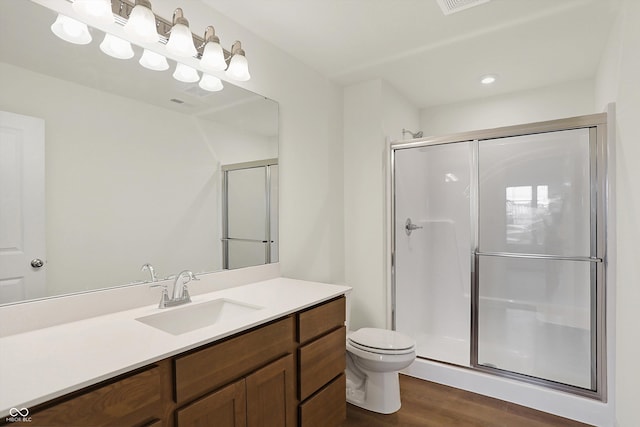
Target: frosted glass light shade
213, 57
99, 10
153, 61
116, 47
141, 26
186, 74
238, 68
210, 83
181, 42
70, 30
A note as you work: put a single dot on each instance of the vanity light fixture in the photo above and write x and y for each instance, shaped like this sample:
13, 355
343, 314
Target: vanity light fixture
210, 83
116, 47
70, 30
99, 10
153, 61
180, 39
238, 65
212, 54
185, 73
488, 79
141, 25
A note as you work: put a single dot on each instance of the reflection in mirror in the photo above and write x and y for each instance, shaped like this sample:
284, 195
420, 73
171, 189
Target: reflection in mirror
132, 162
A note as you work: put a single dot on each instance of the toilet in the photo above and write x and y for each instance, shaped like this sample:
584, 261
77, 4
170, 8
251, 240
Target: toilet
374, 357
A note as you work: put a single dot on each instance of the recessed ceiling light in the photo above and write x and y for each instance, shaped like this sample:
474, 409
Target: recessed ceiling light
488, 79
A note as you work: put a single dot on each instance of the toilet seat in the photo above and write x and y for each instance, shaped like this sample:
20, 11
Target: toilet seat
381, 341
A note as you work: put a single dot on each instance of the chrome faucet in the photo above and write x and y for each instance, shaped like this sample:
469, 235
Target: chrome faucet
180, 294
180, 290
149, 267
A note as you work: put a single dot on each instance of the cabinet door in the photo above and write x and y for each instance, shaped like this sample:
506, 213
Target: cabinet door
271, 395
223, 408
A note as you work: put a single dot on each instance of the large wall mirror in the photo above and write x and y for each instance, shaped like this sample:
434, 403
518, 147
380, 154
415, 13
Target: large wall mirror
134, 162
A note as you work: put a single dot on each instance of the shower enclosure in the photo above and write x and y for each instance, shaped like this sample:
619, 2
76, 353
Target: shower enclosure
498, 251
249, 213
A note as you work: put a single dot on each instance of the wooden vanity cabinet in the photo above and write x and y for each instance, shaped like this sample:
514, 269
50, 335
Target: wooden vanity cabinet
265, 398
252, 376
321, 364
285, 373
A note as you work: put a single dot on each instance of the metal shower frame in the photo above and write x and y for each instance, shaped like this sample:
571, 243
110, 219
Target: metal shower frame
597, 125
268, 239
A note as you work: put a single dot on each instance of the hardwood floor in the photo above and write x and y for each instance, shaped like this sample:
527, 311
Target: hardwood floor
429, 404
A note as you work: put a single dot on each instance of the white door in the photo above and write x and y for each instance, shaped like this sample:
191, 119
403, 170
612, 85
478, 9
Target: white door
22, 220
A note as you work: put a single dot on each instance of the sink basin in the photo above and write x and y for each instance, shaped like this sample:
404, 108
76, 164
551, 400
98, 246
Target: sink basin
196, 316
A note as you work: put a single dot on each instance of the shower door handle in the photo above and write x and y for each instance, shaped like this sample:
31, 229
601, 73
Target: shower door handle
409, 227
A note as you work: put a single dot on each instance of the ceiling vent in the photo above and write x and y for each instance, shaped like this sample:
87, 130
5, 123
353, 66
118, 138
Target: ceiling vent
452, 6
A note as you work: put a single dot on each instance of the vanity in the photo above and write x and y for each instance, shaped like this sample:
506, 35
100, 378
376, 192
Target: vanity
279, 364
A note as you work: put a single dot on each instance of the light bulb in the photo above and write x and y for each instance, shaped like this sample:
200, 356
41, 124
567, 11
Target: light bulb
70, 30
213, 57
210, 83
141, 26
181, 41
116, 47
99, 10
153, 61
186, 74
238, 68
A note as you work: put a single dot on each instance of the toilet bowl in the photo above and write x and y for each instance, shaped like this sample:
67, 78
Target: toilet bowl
374, 357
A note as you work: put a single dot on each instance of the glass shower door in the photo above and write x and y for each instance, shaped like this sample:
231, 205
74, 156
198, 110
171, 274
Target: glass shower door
536, 257
250, 214
432, 272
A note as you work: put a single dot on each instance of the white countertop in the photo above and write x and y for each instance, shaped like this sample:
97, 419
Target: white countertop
40, 365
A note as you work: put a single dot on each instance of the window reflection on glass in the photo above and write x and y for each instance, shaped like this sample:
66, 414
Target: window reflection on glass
527, 207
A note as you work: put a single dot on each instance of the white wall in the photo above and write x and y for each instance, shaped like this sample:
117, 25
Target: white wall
120, 193
373, 111
547, 103
617, 80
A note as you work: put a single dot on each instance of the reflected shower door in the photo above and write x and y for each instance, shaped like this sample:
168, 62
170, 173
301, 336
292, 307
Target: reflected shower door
536, 260
432, 267
249, 214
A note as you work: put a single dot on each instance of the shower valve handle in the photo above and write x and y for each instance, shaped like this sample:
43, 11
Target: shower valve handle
409, 227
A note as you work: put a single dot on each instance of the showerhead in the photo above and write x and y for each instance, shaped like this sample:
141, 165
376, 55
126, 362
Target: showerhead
413, 135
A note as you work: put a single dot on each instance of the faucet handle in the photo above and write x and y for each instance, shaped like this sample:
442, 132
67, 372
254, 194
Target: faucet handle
165, 294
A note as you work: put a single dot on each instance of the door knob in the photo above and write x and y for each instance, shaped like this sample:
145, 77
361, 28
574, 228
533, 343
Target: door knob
36, 263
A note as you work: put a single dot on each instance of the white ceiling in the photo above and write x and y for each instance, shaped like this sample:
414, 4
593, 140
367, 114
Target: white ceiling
431, 58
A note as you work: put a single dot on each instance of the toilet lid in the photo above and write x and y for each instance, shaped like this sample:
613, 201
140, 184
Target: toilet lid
381, 339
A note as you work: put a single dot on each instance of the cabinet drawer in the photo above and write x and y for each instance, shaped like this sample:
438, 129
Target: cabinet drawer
321, 361
328, 407
134, 400
214, 366
321, 319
